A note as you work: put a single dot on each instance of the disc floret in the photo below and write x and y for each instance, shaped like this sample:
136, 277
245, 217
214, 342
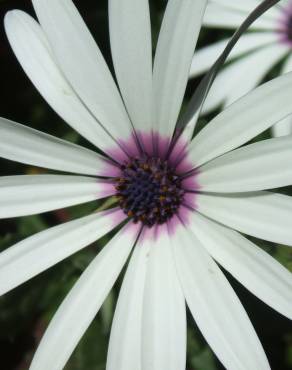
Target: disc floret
149, 190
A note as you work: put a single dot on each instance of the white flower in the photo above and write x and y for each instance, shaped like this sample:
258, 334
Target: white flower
183, 203
268, 43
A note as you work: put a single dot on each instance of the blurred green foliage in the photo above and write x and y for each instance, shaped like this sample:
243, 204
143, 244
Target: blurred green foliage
26, 311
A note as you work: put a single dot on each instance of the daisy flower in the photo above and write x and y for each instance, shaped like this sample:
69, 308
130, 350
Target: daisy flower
268, 43
182, 206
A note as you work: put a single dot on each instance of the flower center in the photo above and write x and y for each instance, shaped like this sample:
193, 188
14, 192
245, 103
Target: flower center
149, 190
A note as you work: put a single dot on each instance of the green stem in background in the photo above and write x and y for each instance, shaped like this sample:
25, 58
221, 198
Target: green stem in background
197, 100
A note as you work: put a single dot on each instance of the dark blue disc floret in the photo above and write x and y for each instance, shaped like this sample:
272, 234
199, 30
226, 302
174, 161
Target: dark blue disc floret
149, 191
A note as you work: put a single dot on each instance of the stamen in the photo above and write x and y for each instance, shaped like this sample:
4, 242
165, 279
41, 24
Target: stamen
149, 190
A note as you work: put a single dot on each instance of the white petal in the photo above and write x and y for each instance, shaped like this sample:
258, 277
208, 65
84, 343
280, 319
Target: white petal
251, 76
164, 312
283, 127
287, 66
220, 17
217, 94
26, 145
259, 166
34, 53
215, 307
243, 120
254, 268
82, 304
31, 194
242, 76
176, 44
126, 333
131, 45
37, 253
264, 215
247, 6
206, 56
283, 3
83, 64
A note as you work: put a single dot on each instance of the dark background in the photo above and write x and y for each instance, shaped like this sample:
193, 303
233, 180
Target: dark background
26, 311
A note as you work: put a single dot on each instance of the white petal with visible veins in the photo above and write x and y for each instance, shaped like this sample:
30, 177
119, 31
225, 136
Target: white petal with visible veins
131, 45
24, 195
35, 55
219, 17
240, 77
249, 264
287, 66
82, 304
247, 6
284, 127
83, 64
259, 166
265, 215
124, 351
176, 44
26, 145
164, 312
206, 56
250, 77
215, 307
37, 253
243, 120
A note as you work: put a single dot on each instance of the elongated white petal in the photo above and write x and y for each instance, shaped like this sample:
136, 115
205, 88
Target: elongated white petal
217, 16
37, 253
131, 45
227, 77
176, 45
287, 66
82, 63
206, 56
265, 215
247, 6
241, 76
215, 307
243, 120
26, 145
283, 127
30, 194
254, 268
259, 166
164, 313
126, 333
34, 53
250, 77
82, 303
